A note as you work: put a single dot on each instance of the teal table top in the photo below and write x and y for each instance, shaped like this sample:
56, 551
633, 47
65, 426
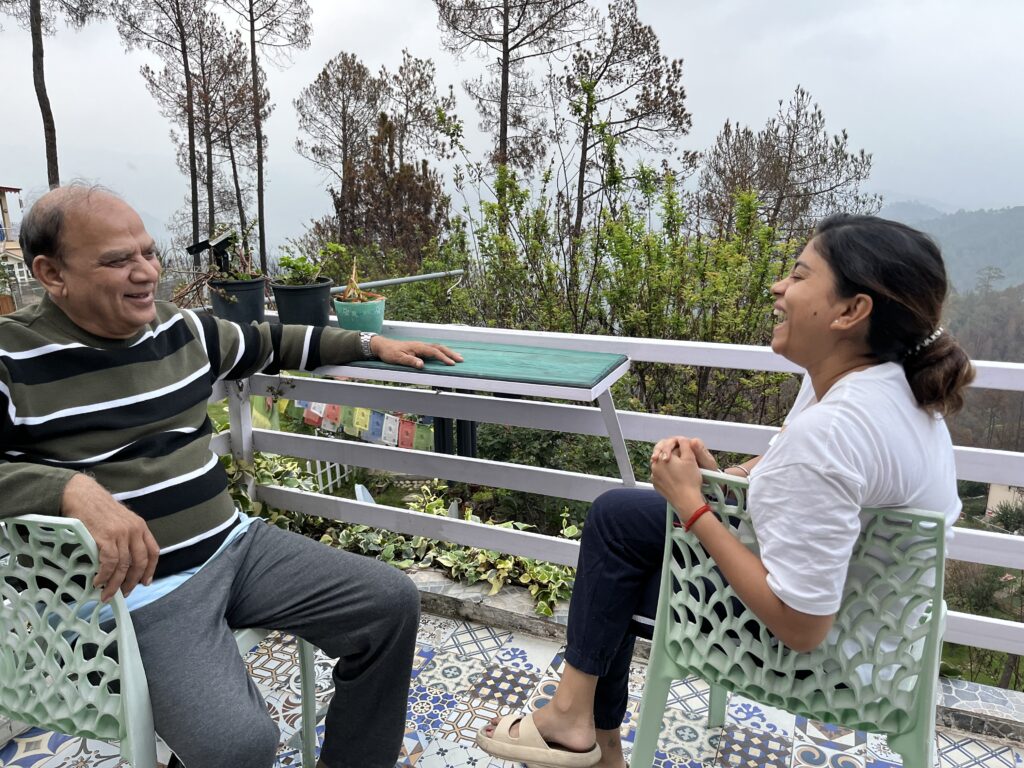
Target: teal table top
510, 362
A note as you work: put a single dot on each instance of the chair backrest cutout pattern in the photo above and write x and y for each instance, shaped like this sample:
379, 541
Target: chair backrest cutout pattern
865, 673
58, 665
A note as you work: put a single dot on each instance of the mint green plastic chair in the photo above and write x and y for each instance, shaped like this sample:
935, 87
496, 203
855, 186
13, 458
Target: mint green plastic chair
58, 666
877, 670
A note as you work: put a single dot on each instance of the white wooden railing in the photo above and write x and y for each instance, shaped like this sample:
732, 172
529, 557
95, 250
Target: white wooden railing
989, 466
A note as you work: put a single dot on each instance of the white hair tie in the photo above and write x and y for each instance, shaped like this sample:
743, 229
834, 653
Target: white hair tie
928, 341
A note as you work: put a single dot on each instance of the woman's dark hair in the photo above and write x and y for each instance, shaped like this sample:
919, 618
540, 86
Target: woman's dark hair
901, 270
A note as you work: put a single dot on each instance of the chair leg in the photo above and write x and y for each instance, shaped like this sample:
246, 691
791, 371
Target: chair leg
716, 706
309, 714
917, 746
652, 710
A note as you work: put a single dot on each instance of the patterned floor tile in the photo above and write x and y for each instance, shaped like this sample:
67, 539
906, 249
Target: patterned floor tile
414, 744
323, 667
542, 693
528, 653
878, 749
507, 686
741, 747
30, 748
452, 673
462, 723
448, 754
424, 653
749, 714
428, 708
557, 664
690, 695
807, 755
683, 737
273, 661
434, 631
830, 736
471, 639
960, 751
84, 752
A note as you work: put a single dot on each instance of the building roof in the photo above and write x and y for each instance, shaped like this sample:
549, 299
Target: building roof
9, 189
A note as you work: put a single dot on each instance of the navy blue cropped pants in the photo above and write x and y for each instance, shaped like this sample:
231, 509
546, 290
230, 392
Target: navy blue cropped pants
617, 578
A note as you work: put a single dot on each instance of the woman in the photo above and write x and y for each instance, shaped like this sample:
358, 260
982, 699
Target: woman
860, 313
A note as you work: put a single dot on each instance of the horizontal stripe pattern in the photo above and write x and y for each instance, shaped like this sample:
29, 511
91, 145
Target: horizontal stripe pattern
133, 414
66, 361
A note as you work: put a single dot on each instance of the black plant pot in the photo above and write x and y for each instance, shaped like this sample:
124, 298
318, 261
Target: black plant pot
240, 301
304, 304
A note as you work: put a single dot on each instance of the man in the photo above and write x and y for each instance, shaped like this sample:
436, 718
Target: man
103, 396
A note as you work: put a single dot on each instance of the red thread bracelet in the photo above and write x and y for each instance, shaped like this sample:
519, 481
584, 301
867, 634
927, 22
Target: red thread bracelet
696, 516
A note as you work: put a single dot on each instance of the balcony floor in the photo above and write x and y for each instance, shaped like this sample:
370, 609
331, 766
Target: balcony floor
465, 673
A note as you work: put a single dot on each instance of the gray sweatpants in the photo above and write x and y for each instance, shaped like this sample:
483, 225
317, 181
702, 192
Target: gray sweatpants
363, 612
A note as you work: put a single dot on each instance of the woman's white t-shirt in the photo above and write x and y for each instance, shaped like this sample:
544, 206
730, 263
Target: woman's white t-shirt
867, 443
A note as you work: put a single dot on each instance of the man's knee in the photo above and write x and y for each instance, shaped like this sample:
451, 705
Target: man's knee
250, 741
404, 597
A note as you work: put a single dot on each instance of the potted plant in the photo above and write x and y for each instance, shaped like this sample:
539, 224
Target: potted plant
302, 295
359, 310
236, 288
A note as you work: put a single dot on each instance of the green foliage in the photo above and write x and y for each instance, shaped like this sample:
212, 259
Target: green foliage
297, 270
548, 583
1009, 515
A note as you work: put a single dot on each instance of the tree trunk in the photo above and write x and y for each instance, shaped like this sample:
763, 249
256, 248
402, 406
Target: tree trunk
238, 190
502, 156
1012, 660
190, 121
258, 123
39, 79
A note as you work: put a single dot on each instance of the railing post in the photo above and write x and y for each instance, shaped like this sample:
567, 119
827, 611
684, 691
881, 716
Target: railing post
240, 422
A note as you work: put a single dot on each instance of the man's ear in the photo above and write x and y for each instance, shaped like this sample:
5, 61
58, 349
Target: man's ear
49, 272
855, 313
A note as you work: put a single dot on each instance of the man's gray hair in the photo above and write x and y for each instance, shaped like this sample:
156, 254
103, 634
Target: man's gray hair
42, 226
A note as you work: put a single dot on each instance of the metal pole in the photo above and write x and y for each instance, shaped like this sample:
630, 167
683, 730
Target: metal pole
400, 280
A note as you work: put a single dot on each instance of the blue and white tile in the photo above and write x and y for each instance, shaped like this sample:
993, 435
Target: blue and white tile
30, 748
476, 640
958, 750
810, 755
424, 653
831, 736
427, 709
452, 672
741, 747
878, 750
542, 693
84, 752
434, 631
691, 695
528, 653
685, 736
462, 723
414, 744
505, 685
750, 714
449, 754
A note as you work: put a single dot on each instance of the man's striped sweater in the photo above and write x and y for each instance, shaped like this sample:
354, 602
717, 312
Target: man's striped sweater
132, 413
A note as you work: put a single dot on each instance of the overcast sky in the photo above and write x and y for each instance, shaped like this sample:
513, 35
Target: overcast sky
932, 88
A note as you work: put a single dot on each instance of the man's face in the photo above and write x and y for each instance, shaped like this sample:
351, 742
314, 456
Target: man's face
108, 276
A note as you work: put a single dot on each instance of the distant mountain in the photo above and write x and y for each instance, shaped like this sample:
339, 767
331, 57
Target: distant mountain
971, 240
911, 213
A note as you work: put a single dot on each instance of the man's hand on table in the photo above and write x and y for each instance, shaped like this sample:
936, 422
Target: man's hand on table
411, 353
128, 552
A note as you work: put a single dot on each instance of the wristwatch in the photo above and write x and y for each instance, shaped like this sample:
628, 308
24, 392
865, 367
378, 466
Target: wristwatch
364, 343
